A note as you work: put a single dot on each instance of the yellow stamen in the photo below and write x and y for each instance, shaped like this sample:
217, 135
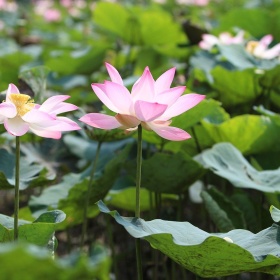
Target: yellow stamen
251, 45
23, 103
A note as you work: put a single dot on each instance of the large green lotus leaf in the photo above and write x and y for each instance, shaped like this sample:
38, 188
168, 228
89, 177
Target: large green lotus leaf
256, 21
159, 28
123, 198
270, 78
228, 162
138, 26
58, 60
30, 174
111, 16
38, 232
235, 87
170, 173
207, 254
20, 261
251, 134
10, 66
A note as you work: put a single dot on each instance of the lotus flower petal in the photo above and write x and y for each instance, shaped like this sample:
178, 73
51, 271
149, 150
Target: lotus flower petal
266, 40
144, 88
8, 110
45, 133
165, 80
99, 90
16, 126
146, 111
55, 105
272, 53
170, 96
169, 132
114, 74
100, 121
36, 116
63, 124
119, 96
182, 104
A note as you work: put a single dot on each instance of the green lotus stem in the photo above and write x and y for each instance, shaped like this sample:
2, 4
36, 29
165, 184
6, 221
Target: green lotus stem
89, 189
16, 203
137, 208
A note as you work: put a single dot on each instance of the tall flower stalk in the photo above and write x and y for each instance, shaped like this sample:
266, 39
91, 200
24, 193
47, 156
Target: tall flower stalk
16, 203
137, 207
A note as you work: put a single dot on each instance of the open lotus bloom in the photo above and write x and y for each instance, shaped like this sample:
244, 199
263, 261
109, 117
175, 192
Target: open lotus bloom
225, 38
19, 114
260, 48
151, 103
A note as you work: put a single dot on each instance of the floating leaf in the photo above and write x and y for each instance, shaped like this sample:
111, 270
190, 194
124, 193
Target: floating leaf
226, 161
208, 254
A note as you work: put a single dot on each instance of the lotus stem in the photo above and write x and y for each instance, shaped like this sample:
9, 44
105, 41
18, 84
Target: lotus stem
16, 203
137, 208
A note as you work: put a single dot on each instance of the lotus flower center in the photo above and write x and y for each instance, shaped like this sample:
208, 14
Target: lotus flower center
23, 103
251, 46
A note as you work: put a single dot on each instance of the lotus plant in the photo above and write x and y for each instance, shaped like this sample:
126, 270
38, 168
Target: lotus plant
19, 114
260, 48
225, 38
150, 105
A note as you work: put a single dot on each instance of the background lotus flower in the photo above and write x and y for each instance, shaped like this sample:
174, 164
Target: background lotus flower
225, 38
260, 48
151, 103
19, 114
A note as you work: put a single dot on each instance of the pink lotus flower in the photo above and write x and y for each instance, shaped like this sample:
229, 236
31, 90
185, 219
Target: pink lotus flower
151, 103
225, 38
194, 2
52, 15
19, 114
260, 48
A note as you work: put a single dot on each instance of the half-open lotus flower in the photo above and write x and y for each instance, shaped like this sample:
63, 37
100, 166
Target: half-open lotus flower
151, 104
19, 114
